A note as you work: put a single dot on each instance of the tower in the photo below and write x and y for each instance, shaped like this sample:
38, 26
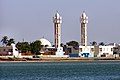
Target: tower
57, 20
84, 21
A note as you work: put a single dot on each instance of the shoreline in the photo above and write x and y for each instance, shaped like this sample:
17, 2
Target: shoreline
60, 60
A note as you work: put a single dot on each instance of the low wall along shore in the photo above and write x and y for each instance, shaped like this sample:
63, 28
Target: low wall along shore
53, 59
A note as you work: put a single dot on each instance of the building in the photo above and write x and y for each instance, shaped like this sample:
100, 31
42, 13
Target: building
92, 51
6, 51
45, 42
105, 51
84, 21
57, 50
57, 20
96, 51
116, 51
47, 48
10, 51
84, 50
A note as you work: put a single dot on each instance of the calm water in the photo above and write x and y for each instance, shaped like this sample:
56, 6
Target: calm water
60, 71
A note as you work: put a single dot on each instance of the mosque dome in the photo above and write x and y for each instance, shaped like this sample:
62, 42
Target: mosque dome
45, 42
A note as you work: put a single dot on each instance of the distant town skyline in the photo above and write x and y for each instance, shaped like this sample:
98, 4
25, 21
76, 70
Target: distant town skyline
32, 19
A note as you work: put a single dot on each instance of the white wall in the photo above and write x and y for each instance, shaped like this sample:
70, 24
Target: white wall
107, 50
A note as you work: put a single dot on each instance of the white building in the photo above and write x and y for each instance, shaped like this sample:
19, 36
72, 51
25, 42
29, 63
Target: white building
86, 51
96, 51
106, 51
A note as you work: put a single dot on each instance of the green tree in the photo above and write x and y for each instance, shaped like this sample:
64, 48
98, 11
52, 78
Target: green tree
4, 40
35, 47
64, 47
10, 41
94, 43
75, 44
102, 43
23, 47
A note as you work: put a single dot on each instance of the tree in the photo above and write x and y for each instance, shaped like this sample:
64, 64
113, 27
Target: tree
4, 40
94, 43
24, 47
35, 47
102, 43
65, 48
75, 44
10, 41
62, 45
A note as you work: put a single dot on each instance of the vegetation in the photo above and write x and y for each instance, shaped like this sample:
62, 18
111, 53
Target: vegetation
64, 47
75, 44
35, 47
10, 41
102, 43
94, 43
4, 40
7, 42
23, 47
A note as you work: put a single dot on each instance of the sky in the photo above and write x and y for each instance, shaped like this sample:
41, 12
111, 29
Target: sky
33, 19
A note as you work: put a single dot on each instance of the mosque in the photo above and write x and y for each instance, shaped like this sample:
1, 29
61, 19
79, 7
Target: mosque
84, 49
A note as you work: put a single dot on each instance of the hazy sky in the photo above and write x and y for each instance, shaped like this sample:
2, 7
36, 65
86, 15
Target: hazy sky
33, 19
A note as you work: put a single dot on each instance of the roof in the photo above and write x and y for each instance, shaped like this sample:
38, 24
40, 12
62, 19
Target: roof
45, 42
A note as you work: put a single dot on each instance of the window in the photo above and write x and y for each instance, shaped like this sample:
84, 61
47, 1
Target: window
92, 49
103, 49
100, 49
106, 49
111, 49
81, 49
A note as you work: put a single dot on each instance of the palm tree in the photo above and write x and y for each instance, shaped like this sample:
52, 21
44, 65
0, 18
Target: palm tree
10, 41
4, 40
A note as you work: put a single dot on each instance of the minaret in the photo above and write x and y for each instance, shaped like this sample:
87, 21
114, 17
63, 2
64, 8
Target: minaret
84, 21
57, 20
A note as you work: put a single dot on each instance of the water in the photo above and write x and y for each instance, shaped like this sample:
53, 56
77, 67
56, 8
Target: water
60, 71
